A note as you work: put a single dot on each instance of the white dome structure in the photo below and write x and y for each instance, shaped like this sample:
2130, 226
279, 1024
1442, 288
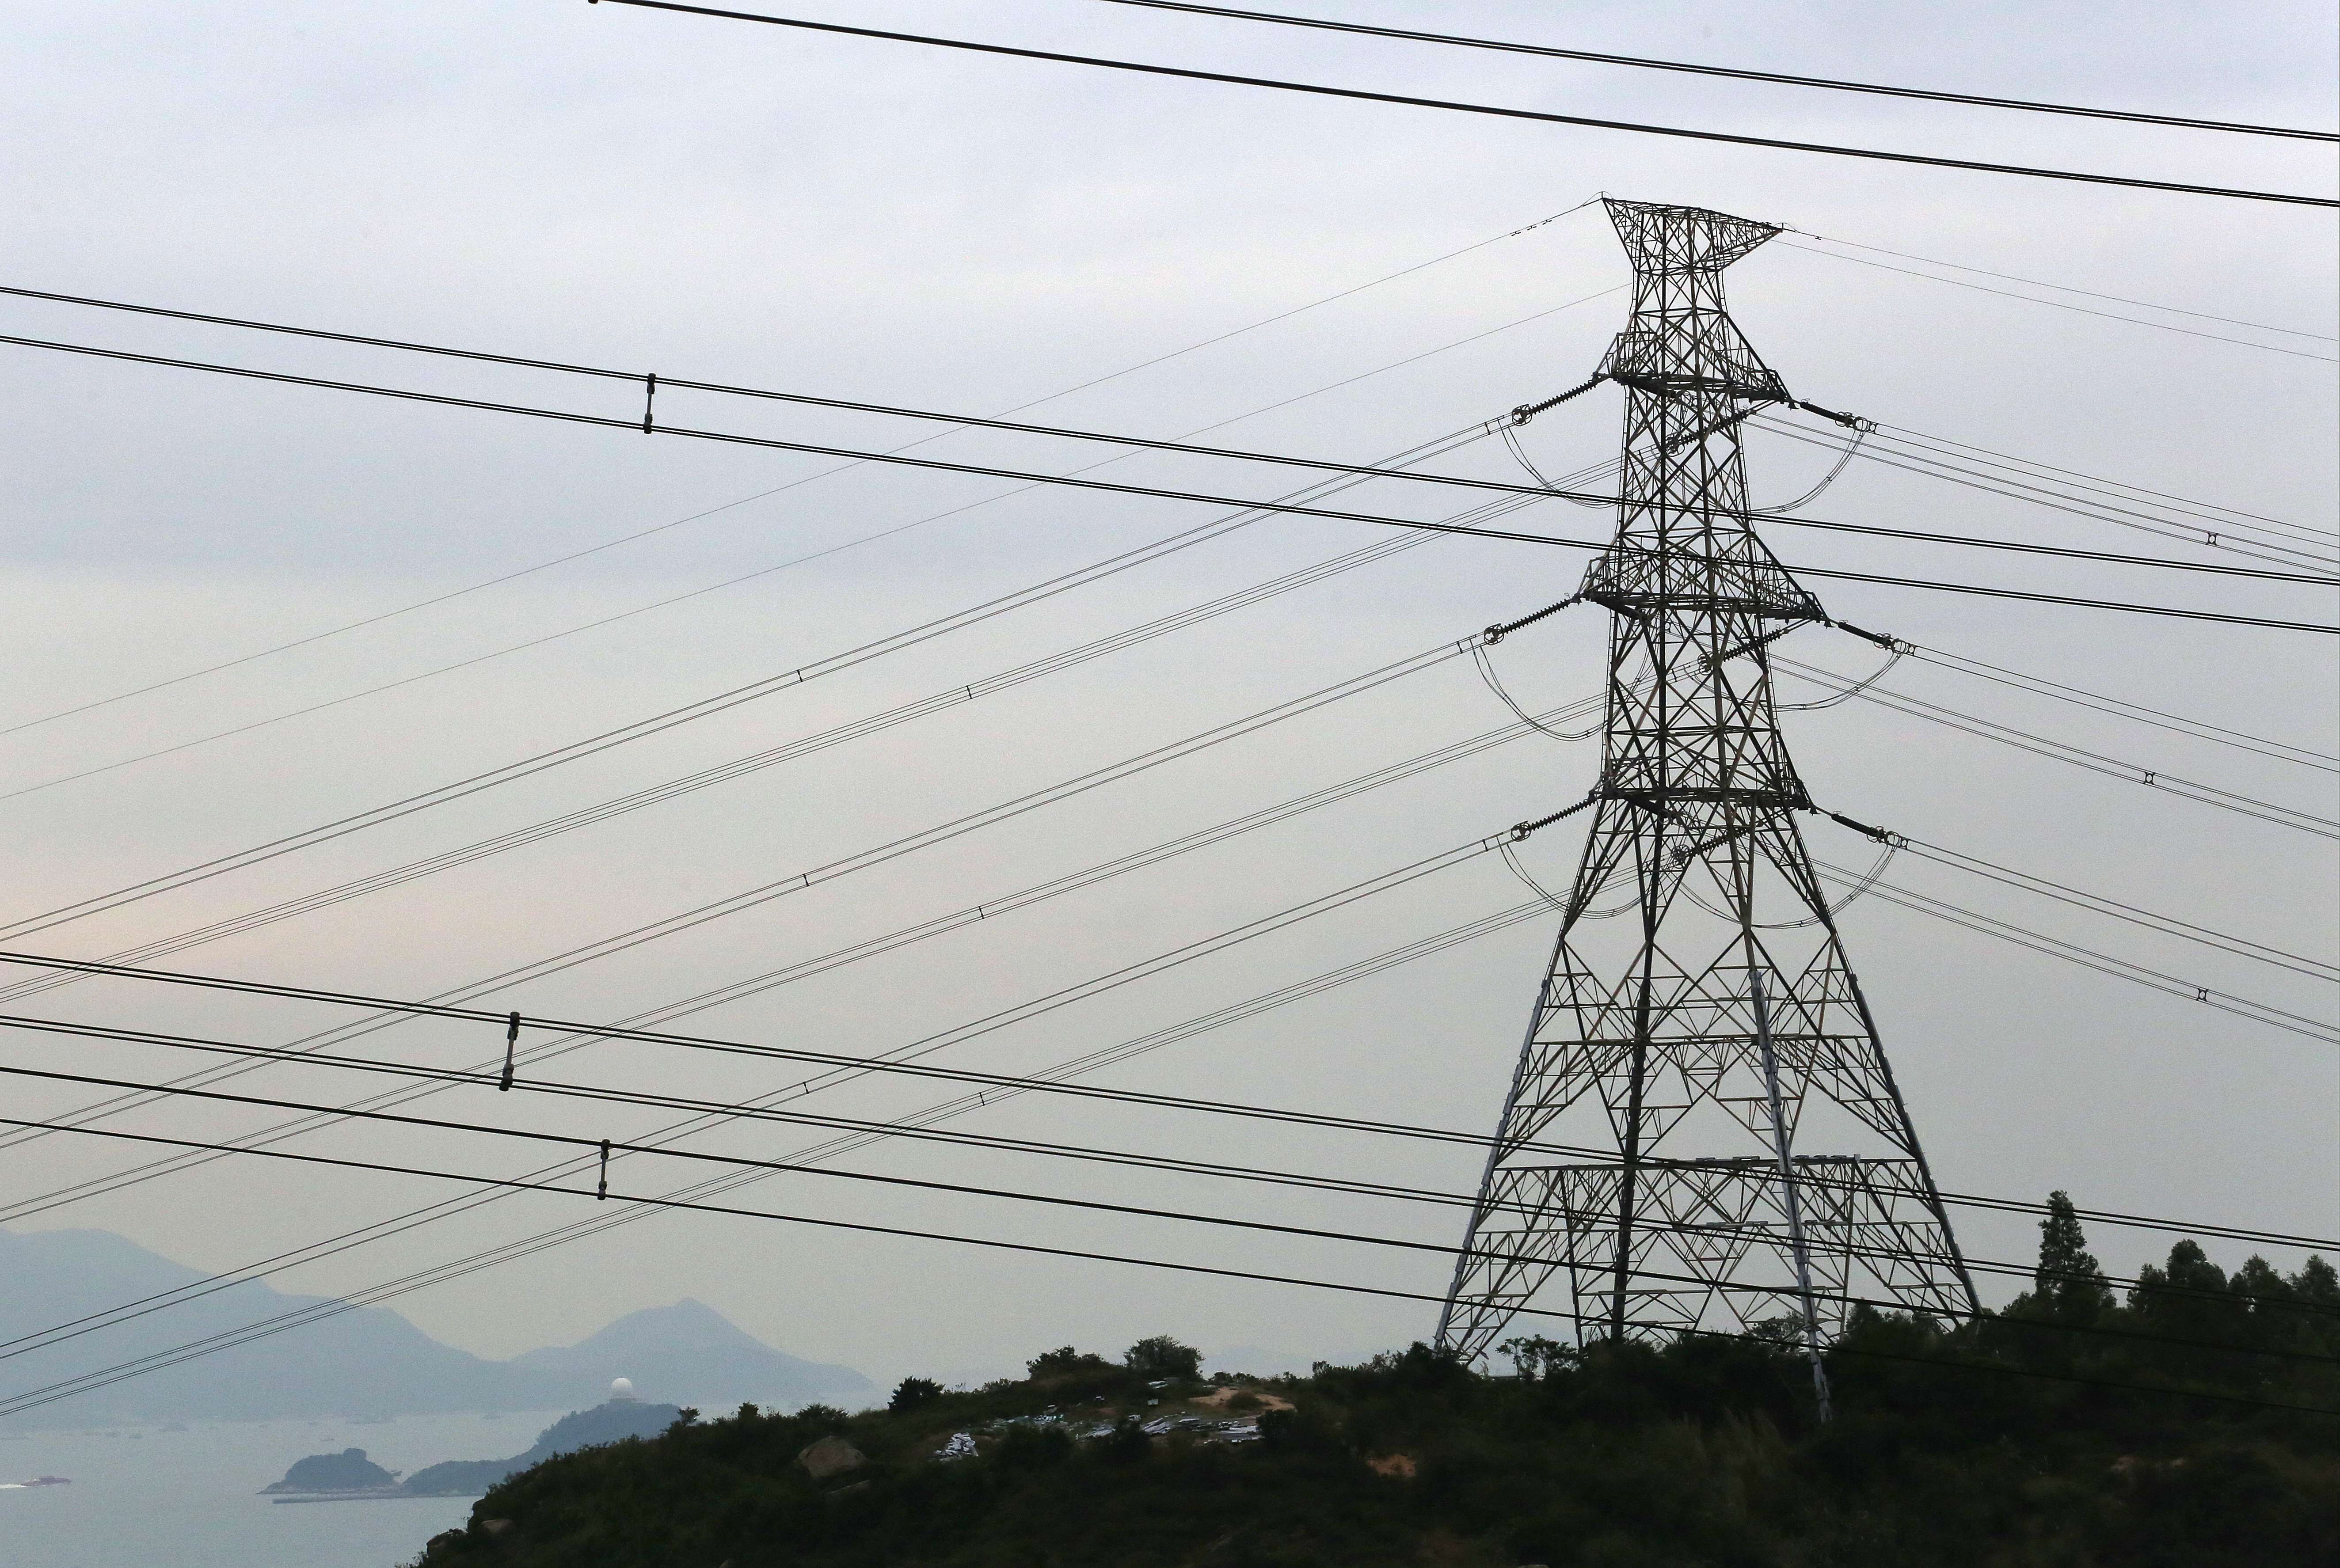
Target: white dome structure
621, 1391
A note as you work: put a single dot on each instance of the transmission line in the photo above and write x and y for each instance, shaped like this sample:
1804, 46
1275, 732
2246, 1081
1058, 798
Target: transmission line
1738, 73
988, 1143
2016, 485
656, 723
2326, 534
2078, 309
765, 1168
766, 892
2195, 729
562, 1234
885, 533
1141, 443
2065, 752
2067, 288
2086, 958
47, 1396
1543, 116
1156, 492
2167, 925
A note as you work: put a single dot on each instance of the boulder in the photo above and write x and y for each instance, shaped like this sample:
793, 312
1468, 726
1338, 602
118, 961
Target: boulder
830, 1456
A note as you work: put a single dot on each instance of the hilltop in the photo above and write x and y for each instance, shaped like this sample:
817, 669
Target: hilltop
1986, 1446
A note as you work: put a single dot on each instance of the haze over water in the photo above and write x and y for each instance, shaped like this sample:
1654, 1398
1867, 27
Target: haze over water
188, 1495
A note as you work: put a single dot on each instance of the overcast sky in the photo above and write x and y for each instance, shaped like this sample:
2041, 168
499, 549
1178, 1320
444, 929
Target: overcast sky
869, 220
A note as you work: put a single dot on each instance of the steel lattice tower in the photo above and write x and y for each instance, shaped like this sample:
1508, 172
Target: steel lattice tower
1698, 1017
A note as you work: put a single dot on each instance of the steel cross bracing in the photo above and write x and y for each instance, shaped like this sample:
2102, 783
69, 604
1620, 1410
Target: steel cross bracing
1698, 1015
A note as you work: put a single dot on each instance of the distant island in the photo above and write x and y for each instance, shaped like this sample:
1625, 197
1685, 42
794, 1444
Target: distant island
351, 1477
347, 1474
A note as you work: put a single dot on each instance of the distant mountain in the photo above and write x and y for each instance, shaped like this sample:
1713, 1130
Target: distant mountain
612, 1423
691, 1354
362, 1361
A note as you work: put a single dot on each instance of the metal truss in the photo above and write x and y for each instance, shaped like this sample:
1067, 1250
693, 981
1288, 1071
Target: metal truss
1699, 1014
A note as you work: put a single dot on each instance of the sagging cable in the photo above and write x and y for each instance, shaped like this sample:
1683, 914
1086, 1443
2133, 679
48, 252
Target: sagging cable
1854, 690
1495, 684
1851, 450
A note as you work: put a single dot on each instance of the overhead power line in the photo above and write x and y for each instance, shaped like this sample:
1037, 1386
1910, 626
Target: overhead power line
2284, 549
1548, 51
2327, 536
1418, 454
47, 1395
2086, 958
982, 1142
2064, 752
1156, 492
2096, 903
483, 1073
650, 724
2063, 288
607, 1148
1409, 101
2067, 305
562, 1234
2097, 702
1140, 443
885, 533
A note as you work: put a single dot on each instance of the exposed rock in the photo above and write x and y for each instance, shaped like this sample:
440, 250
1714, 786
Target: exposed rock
494, 1527
830, 1456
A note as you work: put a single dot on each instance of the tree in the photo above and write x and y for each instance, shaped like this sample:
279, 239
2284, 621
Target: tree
2068, 1285
913, 1391
1161, 1357
1063, 1360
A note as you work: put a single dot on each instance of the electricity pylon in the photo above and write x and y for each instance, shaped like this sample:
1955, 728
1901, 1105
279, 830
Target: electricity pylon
1700, 1033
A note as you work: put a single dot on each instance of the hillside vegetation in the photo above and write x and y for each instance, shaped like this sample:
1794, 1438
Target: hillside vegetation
2005, 1443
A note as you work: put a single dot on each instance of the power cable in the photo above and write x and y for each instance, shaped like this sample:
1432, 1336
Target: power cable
2065, 305
2065, 752
953, 696
656, 723
2167, 925
2067, 288
1294, 509
2015, 486
760, 571
2117, 707
1541, 489
1734, 73
2089, 957
766, 1168
483, 1073
32, 1400
1541, 116
761, 495
766, 892
930, 1116
988, 1143
560, 1235
2033, 463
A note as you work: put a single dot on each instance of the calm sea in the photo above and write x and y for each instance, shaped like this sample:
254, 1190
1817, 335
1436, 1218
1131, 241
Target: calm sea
185, 1496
